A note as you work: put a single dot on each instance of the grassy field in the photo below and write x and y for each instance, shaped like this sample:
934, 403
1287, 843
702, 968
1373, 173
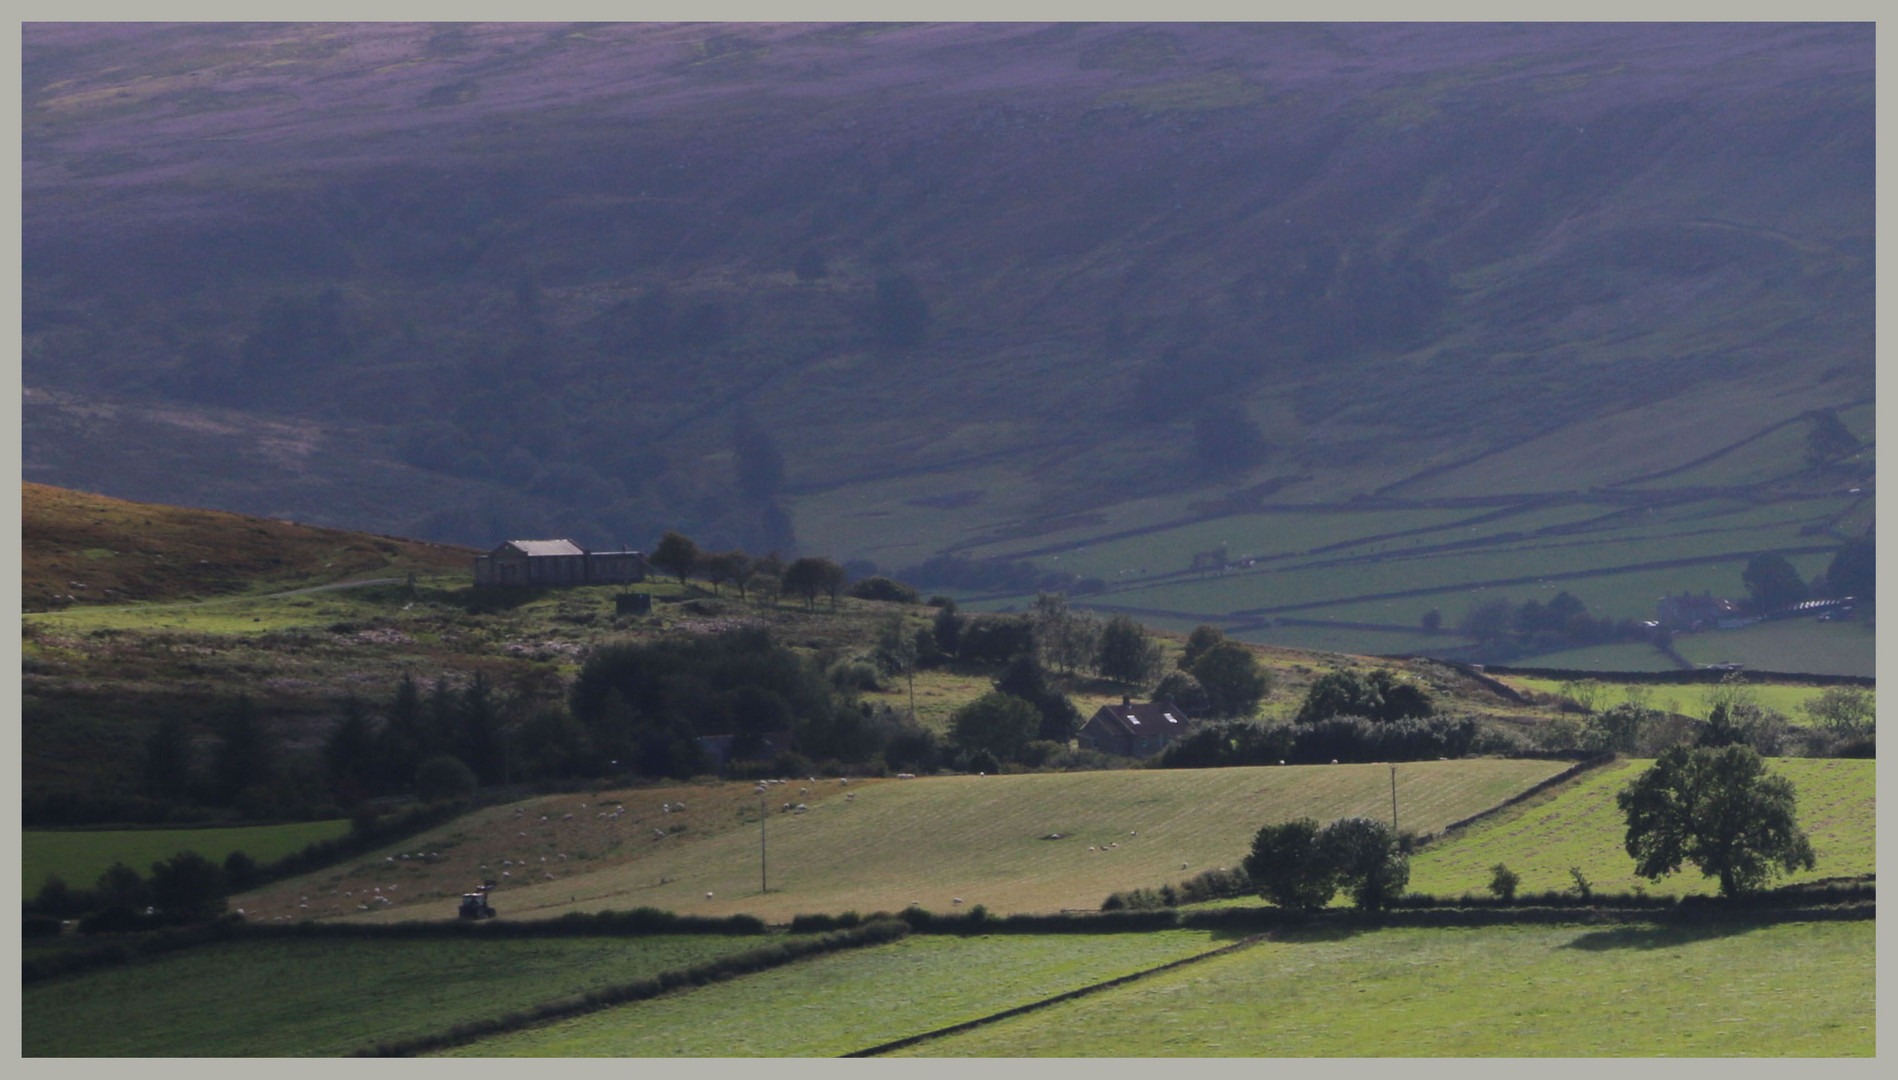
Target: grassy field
1692, 699
1823, 648
983, 836
1579, 825
850, 1001
1796, 989
282, 998
79, 857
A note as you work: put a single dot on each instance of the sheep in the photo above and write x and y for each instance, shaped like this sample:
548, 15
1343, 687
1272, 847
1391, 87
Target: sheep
505, 874
803, 791
845, 781
569, 817
1090, 847
956, 900
679, 807
1182, 866
1133, 834
659, 834
849, 796
523, 836
708, 896
543, 817
1334, 761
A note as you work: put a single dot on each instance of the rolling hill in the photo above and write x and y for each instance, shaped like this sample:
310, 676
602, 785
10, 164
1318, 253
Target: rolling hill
1011, 291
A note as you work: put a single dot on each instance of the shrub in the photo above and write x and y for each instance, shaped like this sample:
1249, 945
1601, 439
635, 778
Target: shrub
883, 588
39, 926
1583, 887
1369, 860
444, 777
1503, 882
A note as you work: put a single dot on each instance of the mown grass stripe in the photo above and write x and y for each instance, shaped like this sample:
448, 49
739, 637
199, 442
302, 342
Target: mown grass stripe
968, 1025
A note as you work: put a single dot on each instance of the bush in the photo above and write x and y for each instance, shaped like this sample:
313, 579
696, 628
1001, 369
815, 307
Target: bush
444, 777
1503, 882
883, 588
39, 926
1291, 867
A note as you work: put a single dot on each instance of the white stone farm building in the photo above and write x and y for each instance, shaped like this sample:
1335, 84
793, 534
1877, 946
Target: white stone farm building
557, 562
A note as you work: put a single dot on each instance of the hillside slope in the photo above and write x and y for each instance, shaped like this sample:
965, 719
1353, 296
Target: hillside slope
78, 547
892, 289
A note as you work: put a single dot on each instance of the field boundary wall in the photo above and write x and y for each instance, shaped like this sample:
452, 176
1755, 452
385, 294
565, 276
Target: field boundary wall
1698, 675
1070, 995
1563, 777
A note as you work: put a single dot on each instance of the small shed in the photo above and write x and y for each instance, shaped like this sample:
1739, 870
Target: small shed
1133, 729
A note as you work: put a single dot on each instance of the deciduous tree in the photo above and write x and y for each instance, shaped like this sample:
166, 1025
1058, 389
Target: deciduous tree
1719, 809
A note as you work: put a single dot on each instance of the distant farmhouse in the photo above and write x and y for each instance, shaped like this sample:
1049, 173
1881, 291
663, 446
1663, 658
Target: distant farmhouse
1689, 612
557, 562
1132, 730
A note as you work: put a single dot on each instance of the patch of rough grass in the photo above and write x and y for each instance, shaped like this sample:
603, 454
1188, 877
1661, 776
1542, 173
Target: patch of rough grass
1793, 989
329, 997
851, 1001
1579, 825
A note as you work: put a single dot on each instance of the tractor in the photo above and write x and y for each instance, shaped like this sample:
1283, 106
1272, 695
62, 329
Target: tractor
475, 905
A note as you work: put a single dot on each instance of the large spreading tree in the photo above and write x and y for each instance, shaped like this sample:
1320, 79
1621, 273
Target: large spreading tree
1719, 809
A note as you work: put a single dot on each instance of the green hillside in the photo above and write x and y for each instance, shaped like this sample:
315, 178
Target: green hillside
1090, 298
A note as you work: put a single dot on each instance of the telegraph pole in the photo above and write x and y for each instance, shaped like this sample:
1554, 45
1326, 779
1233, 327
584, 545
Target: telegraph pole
764, 882
1393, 798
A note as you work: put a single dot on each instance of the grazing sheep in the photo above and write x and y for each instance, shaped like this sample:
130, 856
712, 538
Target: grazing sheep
569, 817
1090, 847
708, 896
1281, 761
1182, 866
849, 796
956, 900
803, 791
523, 836
543, 817
845, 781
505, 874
1334, 761
659, 834
679, 806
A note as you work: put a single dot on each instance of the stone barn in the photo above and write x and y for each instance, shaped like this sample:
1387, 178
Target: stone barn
557, 562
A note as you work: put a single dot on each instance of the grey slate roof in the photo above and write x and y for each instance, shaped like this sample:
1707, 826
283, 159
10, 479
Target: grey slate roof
545, 547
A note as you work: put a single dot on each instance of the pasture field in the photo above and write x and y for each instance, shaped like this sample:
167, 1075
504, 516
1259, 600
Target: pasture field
1579, 825
930, 841
329, 997
80, 856
1791, 989
1345, 639
1692, 699
853, 1000
1621, 656
1822, 648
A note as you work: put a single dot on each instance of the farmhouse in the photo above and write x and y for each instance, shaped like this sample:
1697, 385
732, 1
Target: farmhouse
1133, 730
557, 562
1689, 612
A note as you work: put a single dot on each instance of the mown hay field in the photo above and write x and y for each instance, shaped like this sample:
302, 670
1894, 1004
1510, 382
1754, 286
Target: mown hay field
1793, 989
330, 996
78, 857
1822, 648
929, 841
849, 1001
1579, 825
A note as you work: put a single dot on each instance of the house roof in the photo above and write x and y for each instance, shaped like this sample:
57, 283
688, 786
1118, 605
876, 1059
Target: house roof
1144, 717
531, 548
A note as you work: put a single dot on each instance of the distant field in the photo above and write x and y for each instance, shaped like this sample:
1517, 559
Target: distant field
1581, 826
1625, 656
1796, 989
929, 840
294, 998
1822, 648
854, 1000
79, 857
1691, 698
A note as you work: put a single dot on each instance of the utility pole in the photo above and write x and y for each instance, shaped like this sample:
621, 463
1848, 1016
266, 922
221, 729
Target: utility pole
1393, 798
764, 882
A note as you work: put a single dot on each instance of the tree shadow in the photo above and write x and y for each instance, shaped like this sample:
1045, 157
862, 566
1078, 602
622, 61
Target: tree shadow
1658, 937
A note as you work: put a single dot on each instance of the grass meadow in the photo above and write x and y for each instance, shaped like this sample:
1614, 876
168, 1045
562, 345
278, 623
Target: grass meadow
927, 841
853, 1000
329, 997
1579, 825
1691, 699
1793, 989
1806, 645
80, 856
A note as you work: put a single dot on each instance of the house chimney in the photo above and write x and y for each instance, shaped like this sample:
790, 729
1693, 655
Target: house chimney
1125, 701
